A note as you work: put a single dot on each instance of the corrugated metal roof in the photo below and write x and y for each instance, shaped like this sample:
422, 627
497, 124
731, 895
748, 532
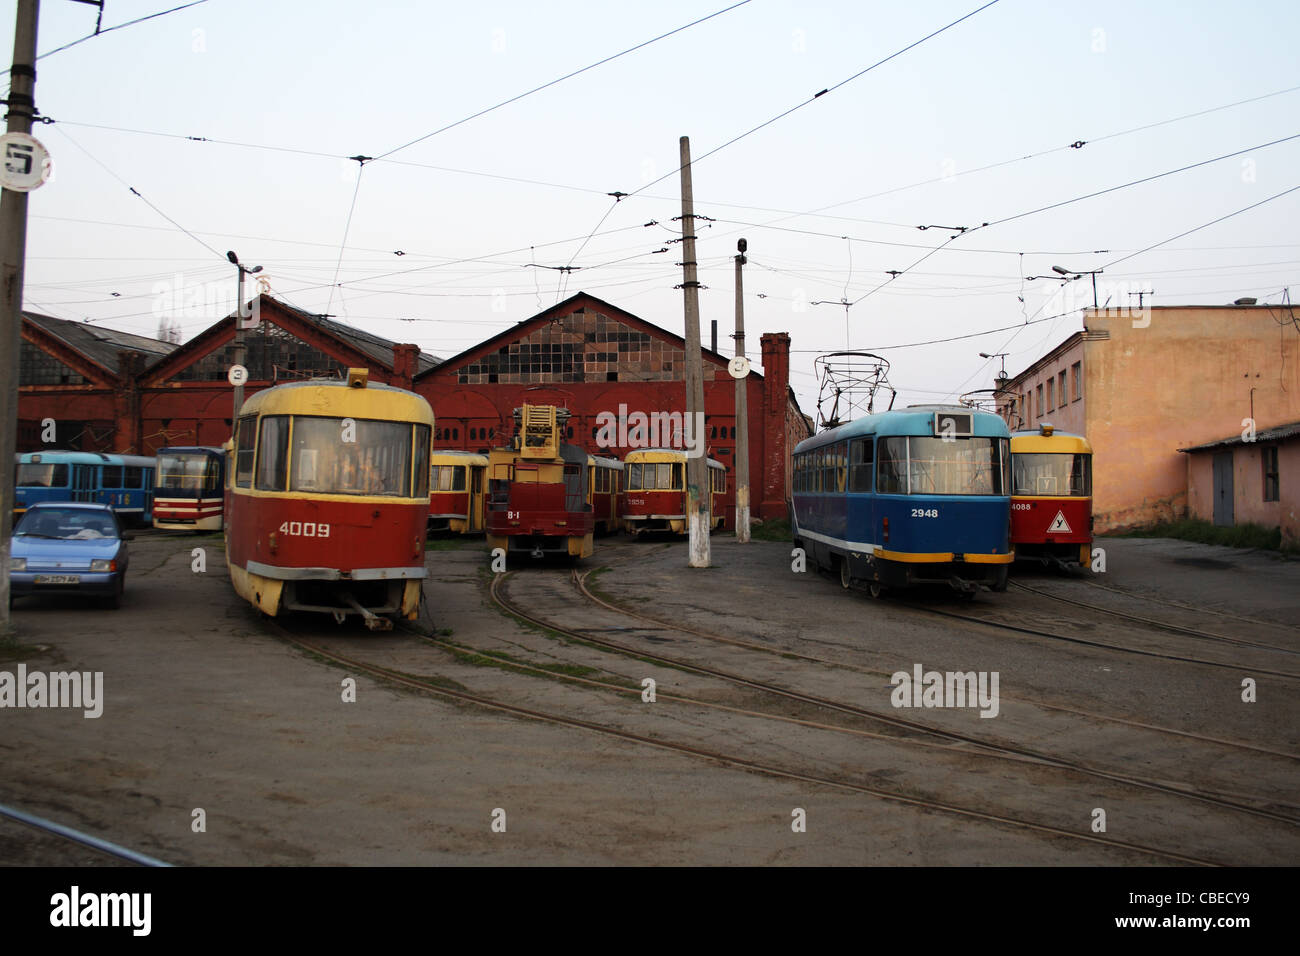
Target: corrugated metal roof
98, 344
1279, 433
378, 348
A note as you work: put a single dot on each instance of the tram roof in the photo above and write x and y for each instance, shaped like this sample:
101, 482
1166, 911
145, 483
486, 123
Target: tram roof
1033, 441
330, 397
58, 456
916, 420
664, 454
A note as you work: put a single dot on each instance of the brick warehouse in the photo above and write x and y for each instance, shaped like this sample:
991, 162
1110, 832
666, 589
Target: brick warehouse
133, 394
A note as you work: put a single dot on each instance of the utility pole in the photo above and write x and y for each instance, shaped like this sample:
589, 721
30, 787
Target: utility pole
741, 372
241, 348
698, 496
13, 254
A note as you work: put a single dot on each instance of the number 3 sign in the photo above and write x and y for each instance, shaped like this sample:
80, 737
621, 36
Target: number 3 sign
24, 162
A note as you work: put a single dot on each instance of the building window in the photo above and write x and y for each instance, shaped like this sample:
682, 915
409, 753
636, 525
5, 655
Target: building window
1050, 404
1060, 387
1077, 368
1269, 455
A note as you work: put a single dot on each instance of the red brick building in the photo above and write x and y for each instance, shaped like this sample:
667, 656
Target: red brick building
131, 394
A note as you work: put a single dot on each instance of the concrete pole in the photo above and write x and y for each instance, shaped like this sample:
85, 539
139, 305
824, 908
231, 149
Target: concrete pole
241, 348
13, 255
698, 497
742, 414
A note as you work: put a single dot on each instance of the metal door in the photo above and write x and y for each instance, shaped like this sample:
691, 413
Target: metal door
1223, 489
83, 484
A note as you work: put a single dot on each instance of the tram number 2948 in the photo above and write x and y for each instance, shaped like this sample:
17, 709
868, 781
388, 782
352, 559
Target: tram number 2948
925, 512
305, 529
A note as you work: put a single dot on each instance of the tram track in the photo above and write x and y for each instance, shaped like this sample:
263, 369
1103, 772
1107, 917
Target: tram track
76, 837
734, 761
981, 747
848, 665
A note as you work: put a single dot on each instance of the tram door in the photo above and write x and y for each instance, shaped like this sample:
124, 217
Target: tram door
476, 498
83, 483
1223, 516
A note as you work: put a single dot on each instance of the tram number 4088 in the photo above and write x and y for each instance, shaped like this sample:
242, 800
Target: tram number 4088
305, 529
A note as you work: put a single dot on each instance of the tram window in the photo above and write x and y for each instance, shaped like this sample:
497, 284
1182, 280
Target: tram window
632, 477
677, 483
133, 477
891, 466
42, 476
841, 465
1052, 475
244, 448
273, 453
860, 465
110, 476
421, 456
377, 463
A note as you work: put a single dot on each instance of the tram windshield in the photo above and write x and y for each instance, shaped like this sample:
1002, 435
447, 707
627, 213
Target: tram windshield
1052, 475
447, 478
920, 465
340, 456
653, 476
41, 476
189, 472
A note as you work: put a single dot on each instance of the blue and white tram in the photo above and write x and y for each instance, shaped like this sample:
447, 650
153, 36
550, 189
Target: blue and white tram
123, 482
918, 495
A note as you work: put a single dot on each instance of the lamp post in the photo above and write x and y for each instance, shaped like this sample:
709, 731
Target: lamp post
241, 348
1071, 274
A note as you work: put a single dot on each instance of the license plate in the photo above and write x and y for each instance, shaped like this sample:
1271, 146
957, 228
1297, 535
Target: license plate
58, 579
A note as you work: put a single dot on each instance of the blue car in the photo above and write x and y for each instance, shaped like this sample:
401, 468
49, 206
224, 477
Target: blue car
69, 548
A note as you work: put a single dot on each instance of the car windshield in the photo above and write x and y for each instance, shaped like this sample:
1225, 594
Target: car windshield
68, 524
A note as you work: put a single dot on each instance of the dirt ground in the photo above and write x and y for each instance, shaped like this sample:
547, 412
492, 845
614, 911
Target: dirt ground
207, 709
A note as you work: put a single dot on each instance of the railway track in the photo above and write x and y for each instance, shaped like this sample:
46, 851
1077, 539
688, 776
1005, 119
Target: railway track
722, 758
983, 747
1161, 625
69, 835
848, 665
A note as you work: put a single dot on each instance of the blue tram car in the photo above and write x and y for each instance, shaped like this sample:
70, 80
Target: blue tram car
918, 495
123, 482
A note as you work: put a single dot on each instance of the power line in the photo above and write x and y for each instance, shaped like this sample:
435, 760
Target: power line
537, 89
100, 32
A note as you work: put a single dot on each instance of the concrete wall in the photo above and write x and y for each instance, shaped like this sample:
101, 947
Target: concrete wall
1249, 506
1066, 415
1183, 377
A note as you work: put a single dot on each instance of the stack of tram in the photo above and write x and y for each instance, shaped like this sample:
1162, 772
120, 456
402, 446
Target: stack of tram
910, 496
1051, 497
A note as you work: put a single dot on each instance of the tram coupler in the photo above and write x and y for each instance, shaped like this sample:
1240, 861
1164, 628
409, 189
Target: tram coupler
373, 621
962, 586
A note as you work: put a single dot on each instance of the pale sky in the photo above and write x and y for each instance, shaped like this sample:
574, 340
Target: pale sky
473, 207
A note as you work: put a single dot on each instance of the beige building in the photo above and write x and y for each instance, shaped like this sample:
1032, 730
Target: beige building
1143, 384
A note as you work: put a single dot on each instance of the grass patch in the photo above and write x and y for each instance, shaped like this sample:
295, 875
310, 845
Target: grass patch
445, 544
512, 663
1204, 532
778, 529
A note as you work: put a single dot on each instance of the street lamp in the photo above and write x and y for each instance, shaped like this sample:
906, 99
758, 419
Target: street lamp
1071, 274
241, 349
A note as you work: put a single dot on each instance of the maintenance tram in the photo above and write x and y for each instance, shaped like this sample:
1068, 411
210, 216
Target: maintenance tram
188, 490
538, 489
123, 482
456, 485
327, 498
917, 495
605, 492
1051, 497
654, 491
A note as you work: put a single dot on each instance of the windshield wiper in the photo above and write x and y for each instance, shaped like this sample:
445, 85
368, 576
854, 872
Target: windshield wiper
33, 534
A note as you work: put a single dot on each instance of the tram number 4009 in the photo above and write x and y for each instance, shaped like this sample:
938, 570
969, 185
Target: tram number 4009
925, 512
305, 529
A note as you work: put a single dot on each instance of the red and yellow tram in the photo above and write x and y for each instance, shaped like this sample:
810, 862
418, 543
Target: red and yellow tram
456, 482
188, 488
654, 491
327, 498
537, 489
1051, 497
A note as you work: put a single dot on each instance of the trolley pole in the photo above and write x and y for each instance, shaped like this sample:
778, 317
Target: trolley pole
742, 409
697, 472
13, 253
